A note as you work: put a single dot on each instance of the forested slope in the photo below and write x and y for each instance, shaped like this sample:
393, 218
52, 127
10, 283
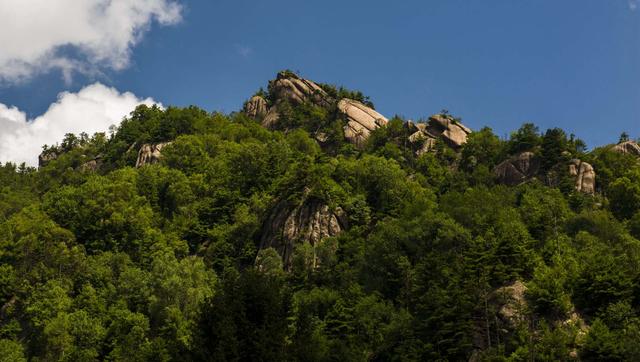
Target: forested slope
309, 227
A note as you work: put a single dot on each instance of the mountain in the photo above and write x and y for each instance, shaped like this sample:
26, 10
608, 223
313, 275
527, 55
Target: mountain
307, 226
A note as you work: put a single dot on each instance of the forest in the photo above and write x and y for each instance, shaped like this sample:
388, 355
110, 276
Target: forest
308, 227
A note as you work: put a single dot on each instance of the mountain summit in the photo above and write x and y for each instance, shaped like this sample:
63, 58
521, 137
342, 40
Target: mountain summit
308, 226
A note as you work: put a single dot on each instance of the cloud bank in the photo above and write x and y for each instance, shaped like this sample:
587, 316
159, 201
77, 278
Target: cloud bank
38, 36
93, 109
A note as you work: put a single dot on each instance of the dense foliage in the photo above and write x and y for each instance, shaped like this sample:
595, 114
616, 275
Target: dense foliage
158, 263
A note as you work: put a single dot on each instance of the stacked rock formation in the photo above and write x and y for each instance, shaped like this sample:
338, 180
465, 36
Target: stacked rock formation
288, 87
420, 135
439, 126
449, 129
584, 175
150, 153
291, 89
256, 107
361, 120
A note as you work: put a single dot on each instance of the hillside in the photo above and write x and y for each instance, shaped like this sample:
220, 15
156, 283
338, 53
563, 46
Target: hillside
309, 227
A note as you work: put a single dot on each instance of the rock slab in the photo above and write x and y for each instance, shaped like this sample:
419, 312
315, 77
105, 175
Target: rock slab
361, 120
150, 153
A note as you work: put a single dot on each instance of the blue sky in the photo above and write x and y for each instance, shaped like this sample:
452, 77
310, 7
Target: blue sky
572, 63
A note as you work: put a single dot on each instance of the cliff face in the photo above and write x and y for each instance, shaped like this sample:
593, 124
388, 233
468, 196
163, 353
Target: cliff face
256, 107
150, 153
307, 222
584, 176
517, 169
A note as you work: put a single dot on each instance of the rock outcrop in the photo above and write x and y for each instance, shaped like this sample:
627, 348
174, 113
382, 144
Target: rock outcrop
526, 166
289, 87
297, 90
47, 156
512, 305
627, 148
518, 169
584, 175
308, 222
91, 165
502, 310
361, 120
150, 153
420, 136
256, 107
449, 129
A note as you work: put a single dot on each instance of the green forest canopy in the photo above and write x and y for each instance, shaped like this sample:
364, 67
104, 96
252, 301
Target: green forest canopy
158, 263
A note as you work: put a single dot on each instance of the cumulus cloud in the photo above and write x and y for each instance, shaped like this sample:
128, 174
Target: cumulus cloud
93, 109
75, 35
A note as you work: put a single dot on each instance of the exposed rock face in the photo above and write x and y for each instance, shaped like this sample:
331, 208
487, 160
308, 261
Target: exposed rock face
297, 90
503, 309
525, 166
90, 166
627, 148
518, 169
45, 157
309, 222
361, 120
419, 134
447, 128
150, 153
288, 87
584, 175
512, 302
256, 107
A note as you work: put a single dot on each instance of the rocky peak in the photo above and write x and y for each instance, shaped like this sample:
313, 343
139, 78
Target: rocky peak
47, 156
449, 129
627, 148
297, 90
150, 153
361, 120
256, 107
291, 88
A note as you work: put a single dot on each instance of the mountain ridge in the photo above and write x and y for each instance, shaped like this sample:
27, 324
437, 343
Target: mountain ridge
308, 226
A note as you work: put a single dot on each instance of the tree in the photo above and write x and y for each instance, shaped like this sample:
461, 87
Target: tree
526, 138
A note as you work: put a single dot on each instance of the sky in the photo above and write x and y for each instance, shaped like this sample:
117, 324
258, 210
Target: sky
82, 65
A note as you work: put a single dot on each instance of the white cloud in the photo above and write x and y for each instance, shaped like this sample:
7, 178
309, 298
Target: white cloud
37, 36
93, 109
633, 5
244, 50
